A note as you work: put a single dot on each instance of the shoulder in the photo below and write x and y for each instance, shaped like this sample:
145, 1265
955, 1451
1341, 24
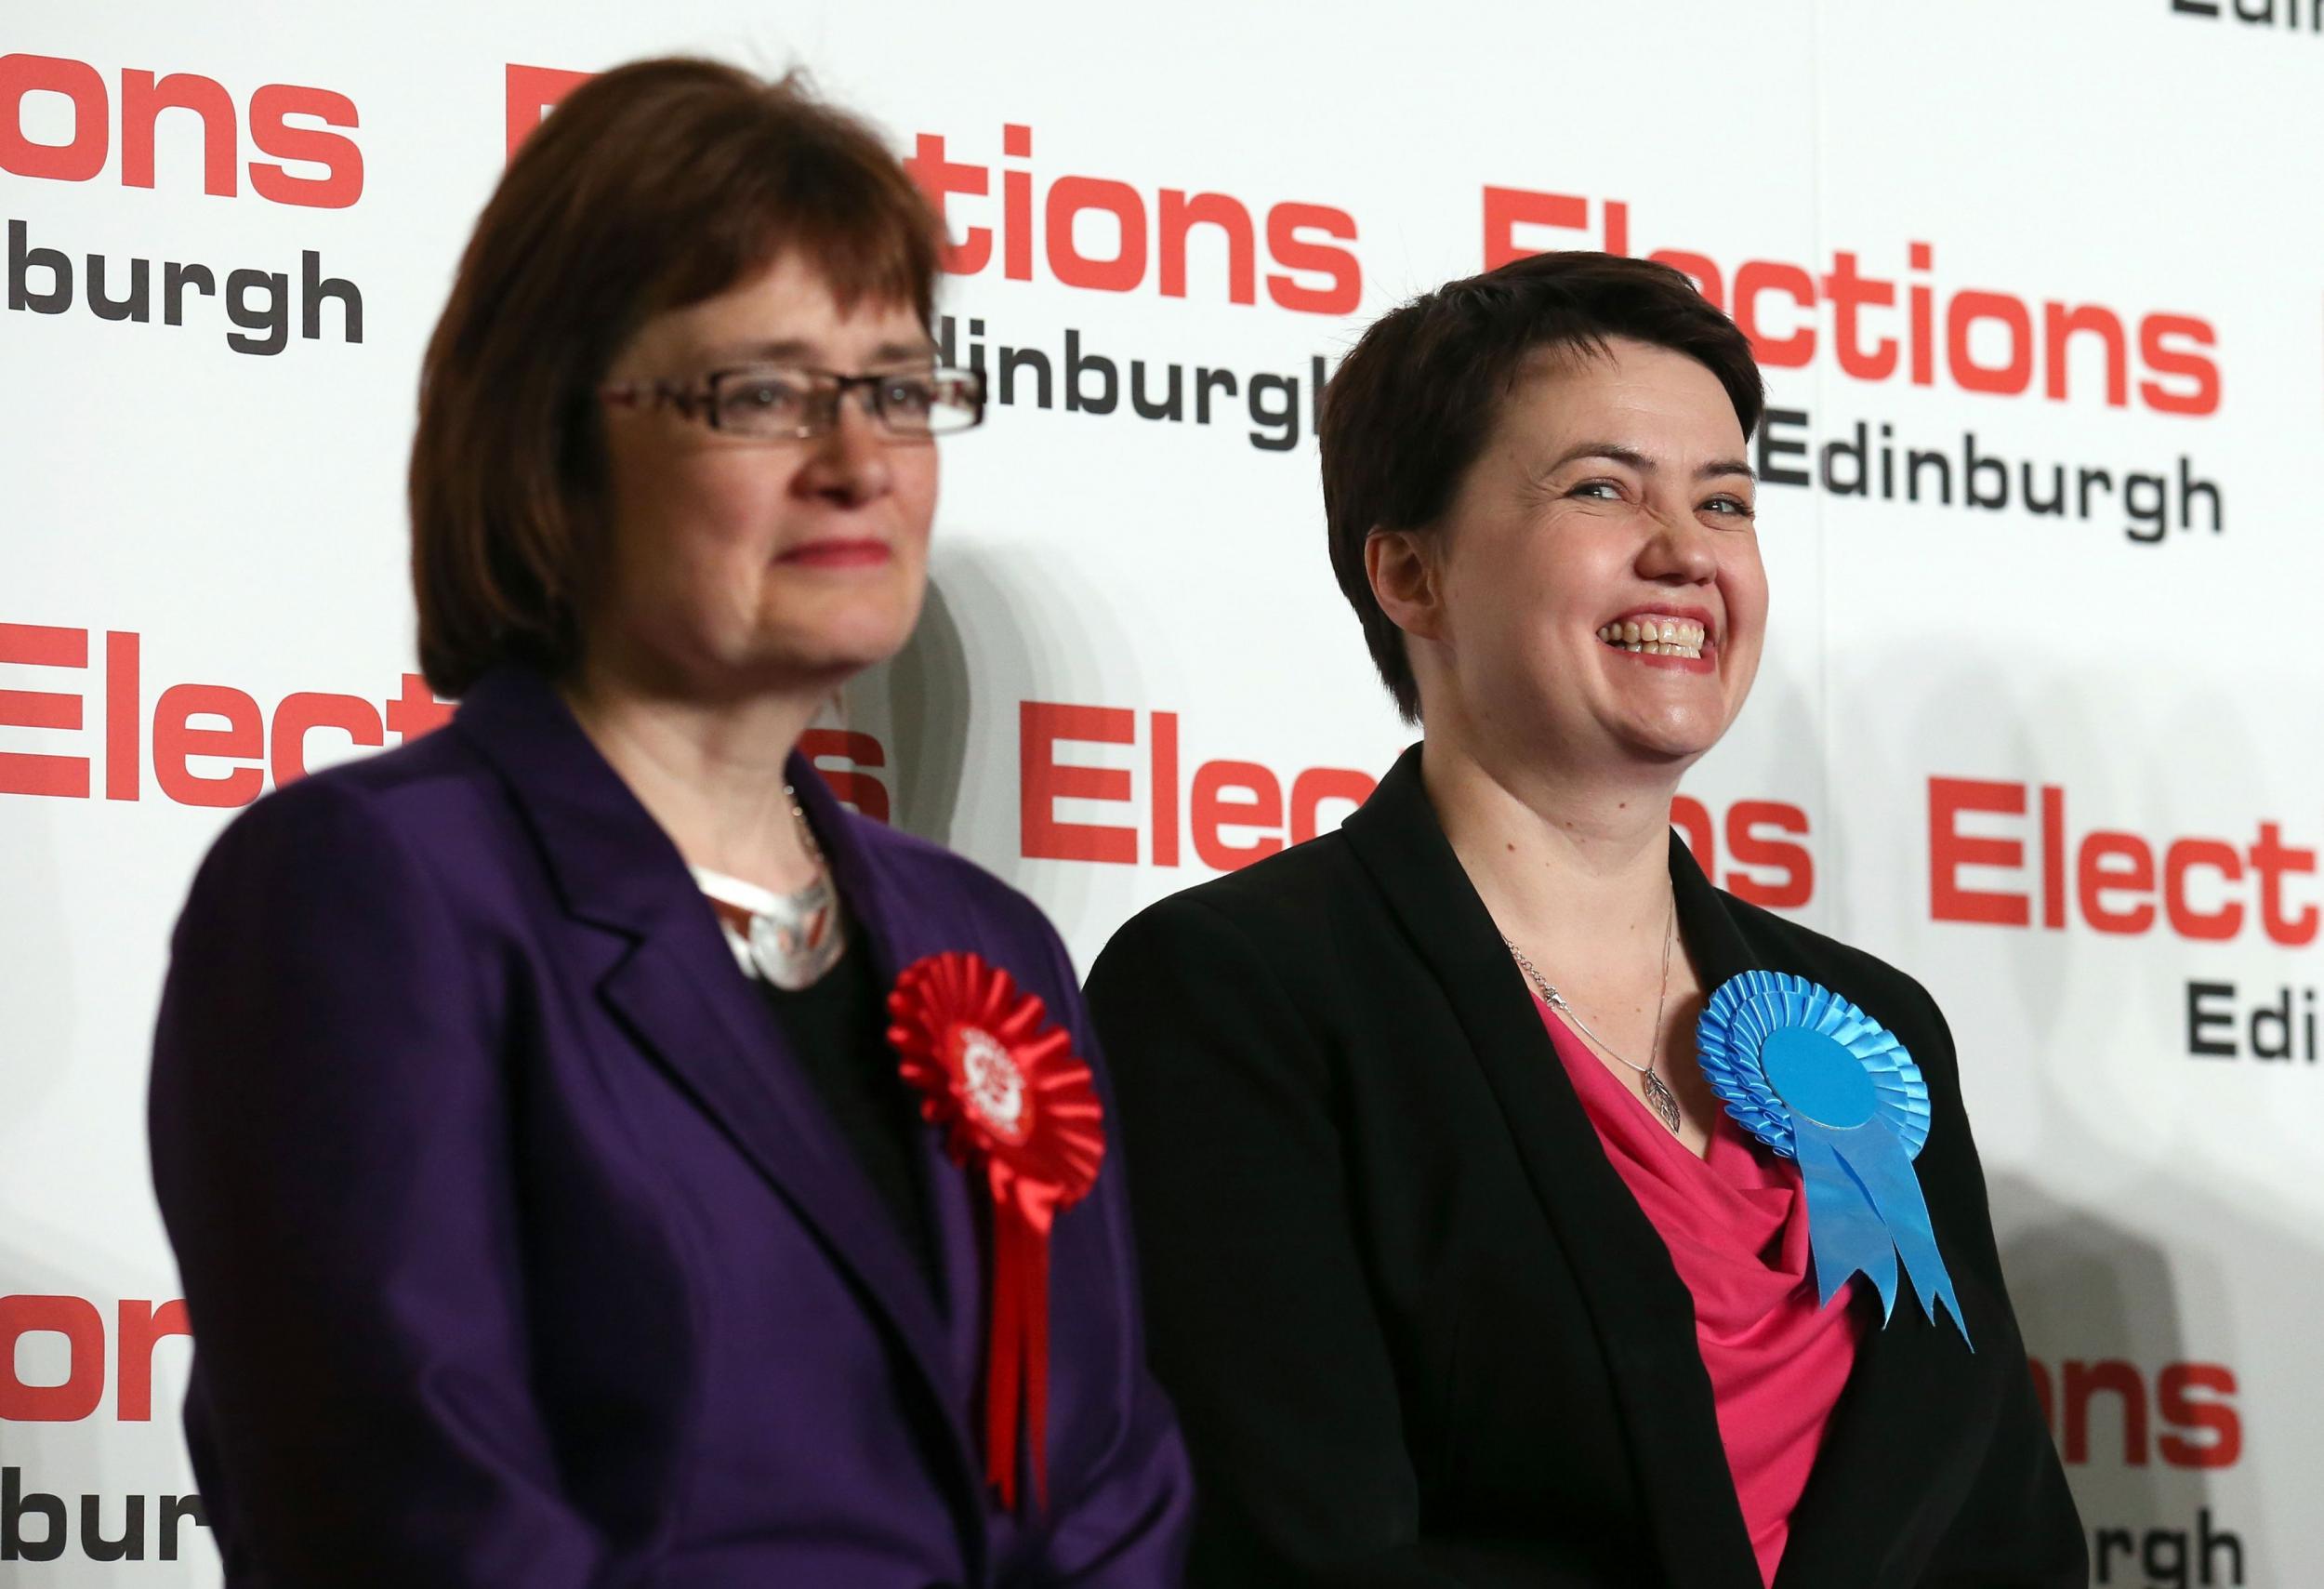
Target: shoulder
932, 898
938, 881
1294, 900
1886, 992
417, 809
1273, 961
341, 903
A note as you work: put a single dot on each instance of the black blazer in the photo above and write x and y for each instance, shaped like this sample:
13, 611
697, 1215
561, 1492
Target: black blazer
1418, 1330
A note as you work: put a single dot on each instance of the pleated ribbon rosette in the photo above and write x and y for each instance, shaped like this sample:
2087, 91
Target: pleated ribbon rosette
1821, 1082
1015, 1101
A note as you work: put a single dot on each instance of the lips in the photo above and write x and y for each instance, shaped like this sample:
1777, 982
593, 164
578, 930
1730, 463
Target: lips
847, 553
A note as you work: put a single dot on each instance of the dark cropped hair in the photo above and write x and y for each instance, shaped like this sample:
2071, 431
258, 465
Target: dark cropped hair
1412, 406
654, 186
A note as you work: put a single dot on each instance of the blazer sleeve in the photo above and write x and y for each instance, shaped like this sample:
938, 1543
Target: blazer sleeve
1261, 1322
331, 1139
1120, 1521
2018, 1529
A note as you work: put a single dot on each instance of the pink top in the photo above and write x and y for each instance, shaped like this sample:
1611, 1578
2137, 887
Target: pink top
1735, 1224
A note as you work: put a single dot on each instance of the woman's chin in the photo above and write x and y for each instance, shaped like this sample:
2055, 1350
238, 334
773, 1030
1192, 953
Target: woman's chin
1666, 742
839, 641
836, 658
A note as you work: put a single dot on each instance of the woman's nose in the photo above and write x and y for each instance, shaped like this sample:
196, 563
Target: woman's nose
1677, 548
850, 463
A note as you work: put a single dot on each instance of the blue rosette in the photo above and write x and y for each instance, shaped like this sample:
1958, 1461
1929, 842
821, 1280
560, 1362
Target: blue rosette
1821, 1083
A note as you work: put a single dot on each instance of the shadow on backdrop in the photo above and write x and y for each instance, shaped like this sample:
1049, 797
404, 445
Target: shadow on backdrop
2104, 1304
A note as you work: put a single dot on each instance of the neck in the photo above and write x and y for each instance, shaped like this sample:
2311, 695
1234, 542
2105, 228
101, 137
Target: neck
1575, 869
710, 772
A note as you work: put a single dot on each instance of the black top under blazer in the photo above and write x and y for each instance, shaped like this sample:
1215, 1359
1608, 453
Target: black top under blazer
1418, 1330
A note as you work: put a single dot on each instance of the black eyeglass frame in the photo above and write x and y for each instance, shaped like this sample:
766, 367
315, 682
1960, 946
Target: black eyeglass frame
830, 392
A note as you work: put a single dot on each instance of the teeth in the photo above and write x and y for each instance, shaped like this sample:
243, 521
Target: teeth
1657, 637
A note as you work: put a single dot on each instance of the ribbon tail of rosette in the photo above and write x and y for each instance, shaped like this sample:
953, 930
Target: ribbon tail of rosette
1876, 1159
1005, 1352
1037, 1363
1845, 1232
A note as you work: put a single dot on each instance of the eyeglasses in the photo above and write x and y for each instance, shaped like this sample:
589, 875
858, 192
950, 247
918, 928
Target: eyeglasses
791, 403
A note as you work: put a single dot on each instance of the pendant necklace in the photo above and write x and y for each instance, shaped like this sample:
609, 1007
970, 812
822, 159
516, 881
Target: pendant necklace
1659, 1098
793, 939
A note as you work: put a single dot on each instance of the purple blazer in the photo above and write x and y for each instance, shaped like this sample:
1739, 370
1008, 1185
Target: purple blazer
519, 1252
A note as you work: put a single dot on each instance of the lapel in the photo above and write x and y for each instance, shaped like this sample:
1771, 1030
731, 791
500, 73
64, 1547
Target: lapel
1642, 1313
1918, 1405
901, 923
1900, 1450
1919, 1408
678, 992
1878, 1480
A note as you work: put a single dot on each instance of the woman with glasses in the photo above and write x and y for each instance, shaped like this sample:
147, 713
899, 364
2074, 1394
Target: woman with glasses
594, 1154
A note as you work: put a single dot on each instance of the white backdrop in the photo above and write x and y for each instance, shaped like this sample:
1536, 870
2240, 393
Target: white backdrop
2082, 235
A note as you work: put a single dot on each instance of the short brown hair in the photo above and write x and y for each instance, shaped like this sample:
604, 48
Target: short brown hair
656, 185
1414, 403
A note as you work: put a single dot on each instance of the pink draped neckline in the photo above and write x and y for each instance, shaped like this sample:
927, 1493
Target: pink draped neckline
1735, 1224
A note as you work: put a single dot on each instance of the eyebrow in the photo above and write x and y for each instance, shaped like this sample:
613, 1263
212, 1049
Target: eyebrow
1632, 457
797, 350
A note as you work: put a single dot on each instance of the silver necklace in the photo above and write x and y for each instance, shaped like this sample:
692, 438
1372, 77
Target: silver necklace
1659, 1098
800, 936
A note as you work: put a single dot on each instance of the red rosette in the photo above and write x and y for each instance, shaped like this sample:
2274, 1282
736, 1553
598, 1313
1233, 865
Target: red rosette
1015, 1101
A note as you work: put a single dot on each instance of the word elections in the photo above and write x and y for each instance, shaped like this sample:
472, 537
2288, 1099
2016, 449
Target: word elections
1855, 464
257, 303
210, 745
2206, 890
1231, 811
1313, 271
215, 746
1851, 317
332, 166
2260, 13
1091, 232
1162, 391
1104, 234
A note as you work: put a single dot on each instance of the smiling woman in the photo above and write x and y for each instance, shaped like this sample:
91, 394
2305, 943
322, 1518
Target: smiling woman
1463, 1270
556, 1202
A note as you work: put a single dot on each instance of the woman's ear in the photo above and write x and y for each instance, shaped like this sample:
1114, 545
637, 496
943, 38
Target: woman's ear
1404, 580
